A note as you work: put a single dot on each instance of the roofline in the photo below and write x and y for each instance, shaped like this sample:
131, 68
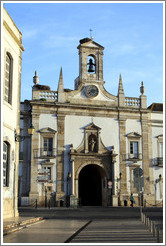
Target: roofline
90, 40
12, 21
151, 106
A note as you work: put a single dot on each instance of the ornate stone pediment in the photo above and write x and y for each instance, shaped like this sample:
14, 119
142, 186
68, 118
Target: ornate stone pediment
92, 126
160, 136
87, 42
133, 135
92, 143
47, 130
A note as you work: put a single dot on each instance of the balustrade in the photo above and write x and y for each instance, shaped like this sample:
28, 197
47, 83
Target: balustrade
48, 95
132, 101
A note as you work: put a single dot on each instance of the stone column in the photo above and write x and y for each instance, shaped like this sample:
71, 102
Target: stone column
34, 194
122, 132
86, 143
60, 158
73, 178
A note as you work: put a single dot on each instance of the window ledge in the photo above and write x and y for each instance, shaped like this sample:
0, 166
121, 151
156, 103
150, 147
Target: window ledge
7, 104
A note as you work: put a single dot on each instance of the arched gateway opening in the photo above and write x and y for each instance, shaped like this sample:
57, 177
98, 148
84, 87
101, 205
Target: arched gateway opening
90, 185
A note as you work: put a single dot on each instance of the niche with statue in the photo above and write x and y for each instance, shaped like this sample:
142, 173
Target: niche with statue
92, 143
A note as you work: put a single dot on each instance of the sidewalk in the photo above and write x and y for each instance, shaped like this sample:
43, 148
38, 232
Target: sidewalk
17, 223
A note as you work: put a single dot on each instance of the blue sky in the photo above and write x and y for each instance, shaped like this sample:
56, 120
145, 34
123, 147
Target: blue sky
132, 34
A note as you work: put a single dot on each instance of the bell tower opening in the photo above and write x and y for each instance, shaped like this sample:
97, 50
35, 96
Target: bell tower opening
91, 64
90, 185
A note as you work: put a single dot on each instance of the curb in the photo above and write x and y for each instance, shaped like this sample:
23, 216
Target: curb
20, 225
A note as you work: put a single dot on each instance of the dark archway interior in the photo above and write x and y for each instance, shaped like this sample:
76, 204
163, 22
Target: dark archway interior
90, 189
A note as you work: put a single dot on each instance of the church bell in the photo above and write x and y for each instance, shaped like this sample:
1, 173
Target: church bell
91, 66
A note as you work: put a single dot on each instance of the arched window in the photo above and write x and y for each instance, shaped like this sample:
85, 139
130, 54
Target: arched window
91, 64
6, 161
8, 78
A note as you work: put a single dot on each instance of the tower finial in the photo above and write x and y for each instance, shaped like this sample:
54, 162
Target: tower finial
142, 88
90, 30
35, 78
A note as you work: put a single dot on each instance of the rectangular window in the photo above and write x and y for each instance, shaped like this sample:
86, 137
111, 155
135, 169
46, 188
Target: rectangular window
160, 149
6, 152
47, 147
48, 143
134, 149
8, 79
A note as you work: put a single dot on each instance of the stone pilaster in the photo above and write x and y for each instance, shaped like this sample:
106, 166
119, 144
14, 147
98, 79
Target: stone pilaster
60, 158
25, 158
143, 101
150, 151
122, 132
34, 162
145, 152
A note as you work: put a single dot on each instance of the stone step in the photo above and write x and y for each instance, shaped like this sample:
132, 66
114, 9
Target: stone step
115, 231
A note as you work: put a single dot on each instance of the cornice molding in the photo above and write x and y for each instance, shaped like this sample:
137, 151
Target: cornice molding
13, 35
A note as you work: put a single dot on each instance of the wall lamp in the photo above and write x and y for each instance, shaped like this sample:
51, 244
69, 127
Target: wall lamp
159, 179
19, 138
120, 176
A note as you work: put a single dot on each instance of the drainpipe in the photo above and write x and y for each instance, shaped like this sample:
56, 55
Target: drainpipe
14, 192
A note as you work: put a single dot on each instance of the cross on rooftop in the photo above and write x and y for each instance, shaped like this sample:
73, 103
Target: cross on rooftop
90, 33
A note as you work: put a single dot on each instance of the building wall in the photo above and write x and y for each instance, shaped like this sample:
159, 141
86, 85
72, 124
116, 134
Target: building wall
12, 43
48, 120
76, 115
157, 130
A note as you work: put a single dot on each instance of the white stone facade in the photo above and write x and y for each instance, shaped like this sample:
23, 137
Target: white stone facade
88, 137
11, 67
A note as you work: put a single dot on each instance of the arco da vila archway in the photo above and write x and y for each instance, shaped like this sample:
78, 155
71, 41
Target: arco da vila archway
92, 166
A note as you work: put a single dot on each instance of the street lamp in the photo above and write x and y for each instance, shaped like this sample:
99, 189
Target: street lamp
68, 179
118, 190
19, 138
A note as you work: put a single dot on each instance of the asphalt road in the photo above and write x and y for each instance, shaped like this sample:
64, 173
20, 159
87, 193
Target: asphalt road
46, 231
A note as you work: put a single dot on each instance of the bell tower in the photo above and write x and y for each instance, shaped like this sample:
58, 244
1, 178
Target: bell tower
90, 62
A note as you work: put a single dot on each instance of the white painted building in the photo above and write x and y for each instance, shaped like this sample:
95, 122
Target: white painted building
11, 68
156, 120
91, 144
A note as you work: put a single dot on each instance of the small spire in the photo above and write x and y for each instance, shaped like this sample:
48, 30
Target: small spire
35, 78
120, 88
142, 88
60, 84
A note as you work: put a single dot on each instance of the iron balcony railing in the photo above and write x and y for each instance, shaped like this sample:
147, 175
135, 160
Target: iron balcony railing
135, 156
158, 161
44, 153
